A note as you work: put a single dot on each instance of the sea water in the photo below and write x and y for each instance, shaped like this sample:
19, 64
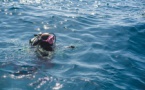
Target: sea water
108, 35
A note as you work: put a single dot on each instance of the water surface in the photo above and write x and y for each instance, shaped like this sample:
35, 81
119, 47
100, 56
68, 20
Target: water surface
109, 37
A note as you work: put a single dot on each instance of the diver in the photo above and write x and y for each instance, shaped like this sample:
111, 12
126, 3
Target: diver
44, 43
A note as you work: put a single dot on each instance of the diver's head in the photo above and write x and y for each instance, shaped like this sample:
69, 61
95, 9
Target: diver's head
44, 38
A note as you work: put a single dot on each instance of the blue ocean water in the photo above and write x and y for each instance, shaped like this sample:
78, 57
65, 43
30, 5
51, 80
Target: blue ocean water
109, 36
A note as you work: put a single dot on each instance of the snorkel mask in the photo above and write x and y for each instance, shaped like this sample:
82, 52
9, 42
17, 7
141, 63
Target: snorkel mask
50, 39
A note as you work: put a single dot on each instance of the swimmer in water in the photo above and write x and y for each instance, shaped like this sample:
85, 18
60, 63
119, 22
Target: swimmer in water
44, 43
